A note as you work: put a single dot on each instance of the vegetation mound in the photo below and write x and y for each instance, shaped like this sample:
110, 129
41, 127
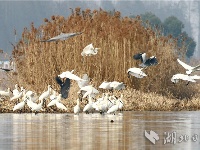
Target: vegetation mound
38, 63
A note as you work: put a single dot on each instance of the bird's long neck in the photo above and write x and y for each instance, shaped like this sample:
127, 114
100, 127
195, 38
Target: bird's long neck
49, 90
78, 103
41, 103
90, 99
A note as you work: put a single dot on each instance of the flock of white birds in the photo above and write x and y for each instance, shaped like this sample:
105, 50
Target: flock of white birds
108, 103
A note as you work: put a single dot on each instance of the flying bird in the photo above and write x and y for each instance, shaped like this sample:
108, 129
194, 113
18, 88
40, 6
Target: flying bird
105, 85
136, 72
64, 86
145, 62
70, 75
62, 36
84, 82
89, 50
117, 85
6, 69
175, 78
88, 90
189, 69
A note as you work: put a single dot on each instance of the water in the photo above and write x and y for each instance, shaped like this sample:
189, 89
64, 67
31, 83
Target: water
94, 131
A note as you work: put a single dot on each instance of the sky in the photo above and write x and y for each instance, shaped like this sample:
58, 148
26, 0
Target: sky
19, 14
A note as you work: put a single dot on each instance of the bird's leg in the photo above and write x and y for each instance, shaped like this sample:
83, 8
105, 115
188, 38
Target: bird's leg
24, 108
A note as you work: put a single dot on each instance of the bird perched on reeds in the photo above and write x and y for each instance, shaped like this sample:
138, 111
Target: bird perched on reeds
89, 50
175, 78
145, 62
64, 86
62, 36
136, 72
189, 69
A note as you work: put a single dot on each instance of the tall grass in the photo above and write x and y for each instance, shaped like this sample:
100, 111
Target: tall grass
119, 39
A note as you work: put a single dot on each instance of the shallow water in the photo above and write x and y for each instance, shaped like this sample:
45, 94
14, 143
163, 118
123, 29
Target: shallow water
94, 131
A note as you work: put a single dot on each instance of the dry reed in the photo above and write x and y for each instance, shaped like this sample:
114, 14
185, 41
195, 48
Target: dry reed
119, 39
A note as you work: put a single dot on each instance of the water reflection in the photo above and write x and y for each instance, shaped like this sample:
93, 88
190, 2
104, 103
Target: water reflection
94, 131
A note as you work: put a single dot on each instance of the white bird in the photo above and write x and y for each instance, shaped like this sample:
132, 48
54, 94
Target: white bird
117, 85
88, 90
5, 93
84, 82
175, 78
61, 106
89, 50
137, 72
54, 100
105, 85
30, 103
53, 96
29, 93
17, 96
104, 104
70, 75
189, 69
45, 94
98, 101
16, 91
115, 107
62, 36
19, 106
88, 108
77, 107
121, 104
37, 107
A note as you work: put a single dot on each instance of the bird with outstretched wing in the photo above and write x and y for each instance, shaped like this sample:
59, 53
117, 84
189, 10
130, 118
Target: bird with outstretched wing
64, 86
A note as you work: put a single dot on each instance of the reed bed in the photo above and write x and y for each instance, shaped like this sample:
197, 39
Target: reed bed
38, 63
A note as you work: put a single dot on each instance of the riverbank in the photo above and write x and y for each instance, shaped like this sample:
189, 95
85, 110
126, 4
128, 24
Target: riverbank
133, 101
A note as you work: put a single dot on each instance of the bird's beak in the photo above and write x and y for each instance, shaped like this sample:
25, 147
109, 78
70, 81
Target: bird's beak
121, 102
11, 91
110, 101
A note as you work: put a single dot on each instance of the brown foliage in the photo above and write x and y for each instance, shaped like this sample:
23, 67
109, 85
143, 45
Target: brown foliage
119, 39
